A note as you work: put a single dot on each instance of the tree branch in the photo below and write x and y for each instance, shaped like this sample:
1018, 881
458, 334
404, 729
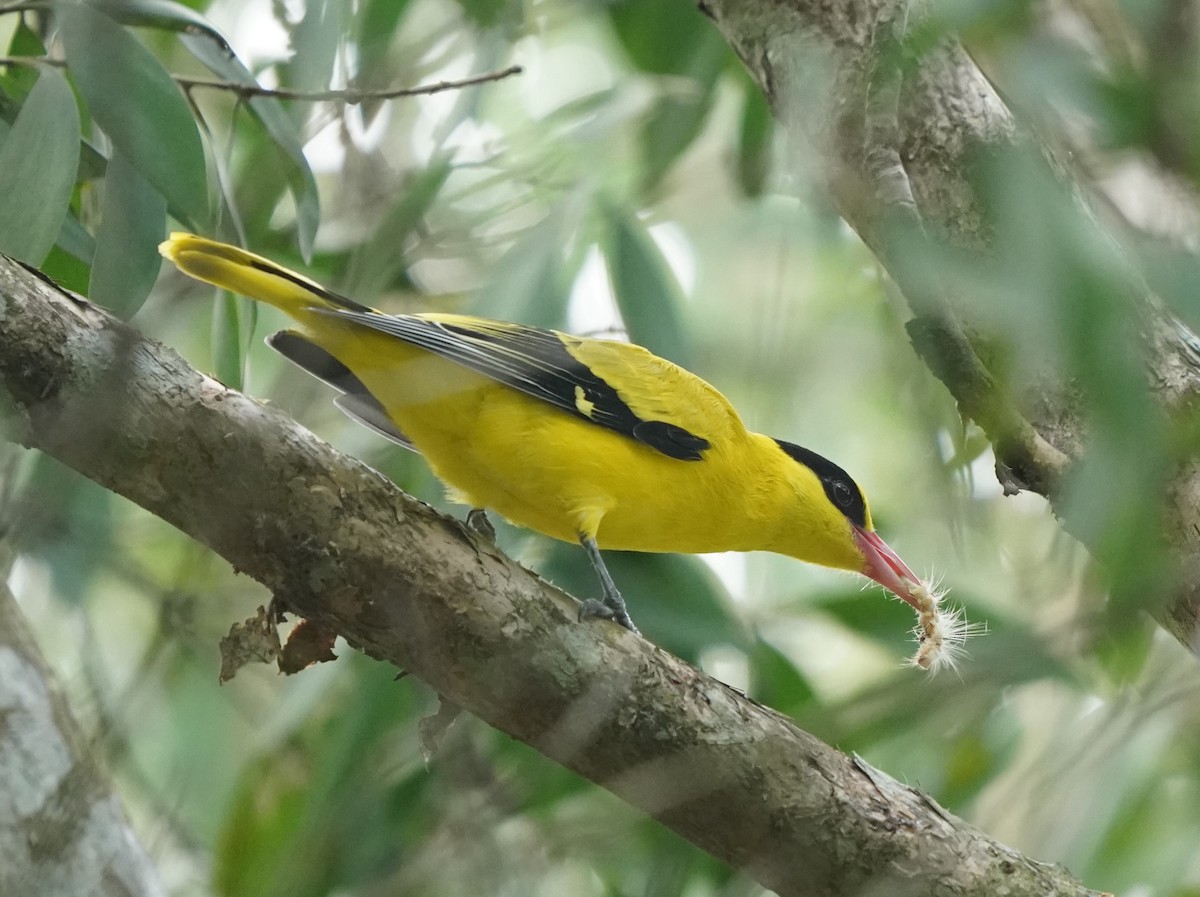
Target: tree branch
342, 546
828, 71
62, 830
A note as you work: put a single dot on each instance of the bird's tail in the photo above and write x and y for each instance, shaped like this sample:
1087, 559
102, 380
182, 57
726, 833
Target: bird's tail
251, 275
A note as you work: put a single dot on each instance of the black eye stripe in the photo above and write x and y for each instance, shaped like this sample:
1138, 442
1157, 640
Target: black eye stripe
841, 490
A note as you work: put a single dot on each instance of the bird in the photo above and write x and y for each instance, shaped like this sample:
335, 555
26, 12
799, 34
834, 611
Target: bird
587, 440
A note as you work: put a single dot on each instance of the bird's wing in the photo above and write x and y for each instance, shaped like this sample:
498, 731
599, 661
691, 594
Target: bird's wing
614, 385
356, 401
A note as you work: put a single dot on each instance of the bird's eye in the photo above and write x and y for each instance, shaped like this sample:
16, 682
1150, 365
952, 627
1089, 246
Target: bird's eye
842, 495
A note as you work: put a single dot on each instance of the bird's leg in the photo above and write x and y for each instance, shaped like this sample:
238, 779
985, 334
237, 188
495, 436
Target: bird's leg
611, 606
477, 522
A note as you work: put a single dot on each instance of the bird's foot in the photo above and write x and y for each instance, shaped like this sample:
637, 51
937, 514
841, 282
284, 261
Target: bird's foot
477, 521
596, 608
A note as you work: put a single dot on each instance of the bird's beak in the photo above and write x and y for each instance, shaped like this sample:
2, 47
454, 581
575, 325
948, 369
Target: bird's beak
885, 567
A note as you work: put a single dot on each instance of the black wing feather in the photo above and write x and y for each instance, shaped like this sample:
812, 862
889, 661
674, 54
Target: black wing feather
357, 402
537, 363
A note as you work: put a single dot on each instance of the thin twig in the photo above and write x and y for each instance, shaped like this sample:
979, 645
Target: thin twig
349, 95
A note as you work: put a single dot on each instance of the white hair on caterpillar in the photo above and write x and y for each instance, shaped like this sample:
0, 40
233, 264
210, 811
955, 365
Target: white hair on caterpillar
941, 632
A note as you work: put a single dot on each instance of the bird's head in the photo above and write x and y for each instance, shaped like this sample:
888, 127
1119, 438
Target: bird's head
844, 535
833, 527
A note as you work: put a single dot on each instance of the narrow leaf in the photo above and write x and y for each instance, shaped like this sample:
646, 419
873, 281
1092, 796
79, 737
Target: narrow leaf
315, 40
754, 141
227, 339
670, 39
68, 271
670, 128
485, 13
38, 163
775, 680
133, 99
661, 38
645, 288
75, 240
133, 218
18, 80
162, 14
376, 25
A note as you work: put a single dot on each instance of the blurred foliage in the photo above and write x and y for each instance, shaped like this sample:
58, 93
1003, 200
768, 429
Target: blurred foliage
627, 181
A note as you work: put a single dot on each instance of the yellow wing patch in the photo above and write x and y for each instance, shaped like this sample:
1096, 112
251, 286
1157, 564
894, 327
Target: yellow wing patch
585, 406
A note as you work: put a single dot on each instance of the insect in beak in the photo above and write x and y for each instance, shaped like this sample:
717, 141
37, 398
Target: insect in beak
885, 567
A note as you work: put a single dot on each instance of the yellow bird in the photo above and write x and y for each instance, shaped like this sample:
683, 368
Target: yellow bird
580, 439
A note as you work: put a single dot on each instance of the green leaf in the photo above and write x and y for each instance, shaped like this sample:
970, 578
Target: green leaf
661, 38
279, 125
1122, 651
754, 141
233, 320
976, 755
38, 164
672, 125
323, 811
259, 183
487, 13
263, 821
75, 240
133, 99
133, 217
18, 80
671, 39
376, 26
775, 680
69, 271
646, 291
162, 14
315, 40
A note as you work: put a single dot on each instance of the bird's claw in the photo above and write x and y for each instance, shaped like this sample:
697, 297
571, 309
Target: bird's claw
596, 608
478, 523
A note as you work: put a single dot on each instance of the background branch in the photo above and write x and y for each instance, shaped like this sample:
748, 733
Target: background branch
350, 95
817, 65
62, 829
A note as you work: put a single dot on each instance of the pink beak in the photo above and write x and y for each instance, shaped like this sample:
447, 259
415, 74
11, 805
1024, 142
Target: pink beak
885, 567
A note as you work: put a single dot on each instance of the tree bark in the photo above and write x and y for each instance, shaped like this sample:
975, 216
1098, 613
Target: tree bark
896, 140
343, 547
62, 830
